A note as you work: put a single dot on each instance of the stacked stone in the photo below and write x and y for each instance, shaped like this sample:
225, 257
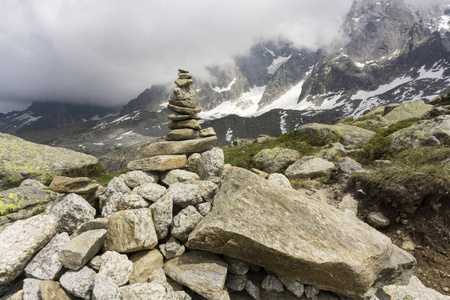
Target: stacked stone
184, 125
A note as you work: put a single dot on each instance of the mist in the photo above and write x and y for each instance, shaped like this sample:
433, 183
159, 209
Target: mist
108, 51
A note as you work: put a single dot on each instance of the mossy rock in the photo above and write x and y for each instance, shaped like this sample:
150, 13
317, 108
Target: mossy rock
276, 159
434, 132
408, 110
22, 160
348, 135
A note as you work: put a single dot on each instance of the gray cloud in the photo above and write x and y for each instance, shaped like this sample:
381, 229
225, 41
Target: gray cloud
108, 51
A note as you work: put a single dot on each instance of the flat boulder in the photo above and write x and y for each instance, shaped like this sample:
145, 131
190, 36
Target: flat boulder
158, 163
20, 241
78, 185
434, 132
22, 159
179, 147
313, 243
310, 168
275, 159
408, 110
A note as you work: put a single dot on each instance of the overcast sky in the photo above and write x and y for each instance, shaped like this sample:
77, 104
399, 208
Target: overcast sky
109, 51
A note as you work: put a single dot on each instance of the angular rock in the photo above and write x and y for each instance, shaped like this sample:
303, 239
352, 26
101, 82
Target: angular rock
204, 273
181, 134
131, 231
311, 168
172, 248
177, 117
51, 290
22, 159
408, 110
207, 132
424, 133
236, 266
272, 283
113, 194
158, 163
378, 220
204, 208
316, 239
193, 162
279, 180
293, 286
104, 288
211, 165
274, 160
95, 263
46, 265
132, 201
150, 191
162, 215
79, 283
20, 241
182, 94
29, 194
413, 290
72, 211
137, 178
185, 222
207, 189
14, 296
311, 291
99, 223
180, 176
79, 185
82, 248
143, 291
116, 266
144, 263
236, 283
347, 165
183, 82
179, 147
192, 124
184, 194
253, 290
183, 103
31, 289
184, 110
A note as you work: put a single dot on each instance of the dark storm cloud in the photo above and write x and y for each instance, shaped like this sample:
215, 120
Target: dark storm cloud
108, 51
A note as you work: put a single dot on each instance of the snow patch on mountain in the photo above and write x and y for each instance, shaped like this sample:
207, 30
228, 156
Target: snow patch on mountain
277, 63
228, 88
444, 23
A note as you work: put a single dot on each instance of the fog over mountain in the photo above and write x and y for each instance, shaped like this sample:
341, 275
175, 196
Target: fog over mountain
106, 52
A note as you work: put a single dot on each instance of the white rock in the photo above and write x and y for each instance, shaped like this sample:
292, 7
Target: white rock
309, 169
279, 180
20, 241
112, 195
211, 165
172, 248
81, 249
179, 175
204, 208
31, 289
272, 283
79, 283
348, 202
104, 288
142, 291
150, 191
207, 189
185, 222
46, 265
116, 266
99, 223
185, 194
136, 178
162, 213
132, 201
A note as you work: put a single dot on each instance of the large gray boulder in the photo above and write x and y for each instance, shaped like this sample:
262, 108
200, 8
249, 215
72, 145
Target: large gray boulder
408, 110
274, 160
71, 211
79, 283
20, 241
179, 147
211, 165
111, 197
116, 266
22, 159
28, 195
204, 273
310, 168
432, 132
313, 242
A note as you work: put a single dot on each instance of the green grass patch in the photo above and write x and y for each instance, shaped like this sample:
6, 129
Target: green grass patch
96, 170
241, 156
106, 177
